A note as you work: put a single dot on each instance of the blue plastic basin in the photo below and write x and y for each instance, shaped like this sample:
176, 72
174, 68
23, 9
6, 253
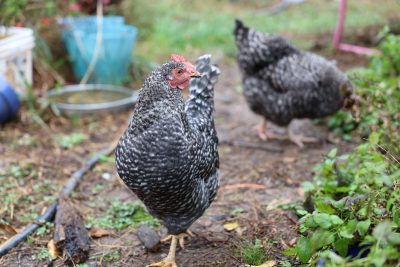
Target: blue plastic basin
118, 40
9, 102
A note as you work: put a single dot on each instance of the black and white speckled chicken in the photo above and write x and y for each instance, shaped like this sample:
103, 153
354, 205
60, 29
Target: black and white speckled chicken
168, 155
282, 83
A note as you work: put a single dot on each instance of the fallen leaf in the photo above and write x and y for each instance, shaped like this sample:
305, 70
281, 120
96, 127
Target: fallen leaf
231, 226
8, 229
98, 232
53, 251
288, 159
266, 264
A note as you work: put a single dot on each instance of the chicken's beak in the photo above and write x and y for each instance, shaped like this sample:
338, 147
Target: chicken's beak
195, 74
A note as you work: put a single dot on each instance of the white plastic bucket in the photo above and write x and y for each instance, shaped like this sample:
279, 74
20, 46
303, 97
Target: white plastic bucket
16, 46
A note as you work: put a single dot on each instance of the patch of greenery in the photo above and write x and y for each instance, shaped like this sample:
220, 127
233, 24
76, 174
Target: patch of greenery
253, 253
379, 89
69, 141
169, 26
342, 124
114, 256
43, 254
121, 216
355, 202
45, 229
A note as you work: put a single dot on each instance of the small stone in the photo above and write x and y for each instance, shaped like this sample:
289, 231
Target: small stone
149, 238
106, 176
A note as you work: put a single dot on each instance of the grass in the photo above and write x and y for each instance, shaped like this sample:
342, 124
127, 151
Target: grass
121, 216
21, 190
196, 27
253, 253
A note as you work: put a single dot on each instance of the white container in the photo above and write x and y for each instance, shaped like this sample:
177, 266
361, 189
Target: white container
16, 46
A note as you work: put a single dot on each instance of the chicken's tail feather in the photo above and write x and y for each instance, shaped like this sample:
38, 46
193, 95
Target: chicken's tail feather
240, 30
201, 96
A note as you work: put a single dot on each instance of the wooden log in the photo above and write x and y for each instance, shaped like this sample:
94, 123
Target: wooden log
70, 234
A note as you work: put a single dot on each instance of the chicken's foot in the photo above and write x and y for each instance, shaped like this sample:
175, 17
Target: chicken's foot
299, 139
181, 238
263, 134
169, 261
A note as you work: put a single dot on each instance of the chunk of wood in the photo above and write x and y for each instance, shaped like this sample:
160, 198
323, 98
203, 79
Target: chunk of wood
70, 234
149, 238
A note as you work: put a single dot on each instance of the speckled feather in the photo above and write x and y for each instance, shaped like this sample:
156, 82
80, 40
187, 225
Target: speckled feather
168, 155
281, 82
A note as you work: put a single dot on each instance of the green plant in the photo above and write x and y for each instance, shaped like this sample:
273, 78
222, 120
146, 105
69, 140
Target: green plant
379, 89
43, 254
121, 216
355, 200
253, 253
69, 141
44, 229
342, 124
112, 257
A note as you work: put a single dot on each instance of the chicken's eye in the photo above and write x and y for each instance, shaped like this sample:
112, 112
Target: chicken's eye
180, 71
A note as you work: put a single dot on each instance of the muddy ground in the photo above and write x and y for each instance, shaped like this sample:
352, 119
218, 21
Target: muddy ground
278, 166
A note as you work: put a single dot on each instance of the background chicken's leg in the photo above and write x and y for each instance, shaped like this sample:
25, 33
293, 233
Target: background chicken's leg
299, 139
263, 134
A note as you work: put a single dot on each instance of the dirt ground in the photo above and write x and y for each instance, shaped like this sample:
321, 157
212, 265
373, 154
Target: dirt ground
278, 167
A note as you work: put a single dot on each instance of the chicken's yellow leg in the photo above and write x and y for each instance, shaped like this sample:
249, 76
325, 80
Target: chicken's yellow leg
169, 261
181, 238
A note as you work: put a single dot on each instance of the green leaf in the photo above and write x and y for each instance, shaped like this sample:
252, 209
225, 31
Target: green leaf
396, 217
310, 222
336, 220
394, 238
348, 229
332, 153
323, 207
342, 245
304, 250
382, 230
374, 138
323, 220
321, 238
363, 226
290, 252
308, 186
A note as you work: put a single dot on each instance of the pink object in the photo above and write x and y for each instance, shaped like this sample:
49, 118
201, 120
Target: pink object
337, 37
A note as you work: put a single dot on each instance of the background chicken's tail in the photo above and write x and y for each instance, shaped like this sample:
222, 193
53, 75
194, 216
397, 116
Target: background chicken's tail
240, 31
201, 97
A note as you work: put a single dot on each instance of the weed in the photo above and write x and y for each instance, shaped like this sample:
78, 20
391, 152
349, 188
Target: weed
379, 89
106, 159
43, 254
112, 257
121, 216
69, 141
45, 229
97, 189
253, 254
355, 202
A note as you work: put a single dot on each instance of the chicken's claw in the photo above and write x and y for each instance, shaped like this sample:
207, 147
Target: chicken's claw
164, 263
260, 130
300, 139
169, 261
181, 238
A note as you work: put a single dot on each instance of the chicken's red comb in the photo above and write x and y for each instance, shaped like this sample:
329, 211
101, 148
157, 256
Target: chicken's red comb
178, 58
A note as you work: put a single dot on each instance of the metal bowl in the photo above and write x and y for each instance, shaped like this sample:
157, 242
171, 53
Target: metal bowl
69, 109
